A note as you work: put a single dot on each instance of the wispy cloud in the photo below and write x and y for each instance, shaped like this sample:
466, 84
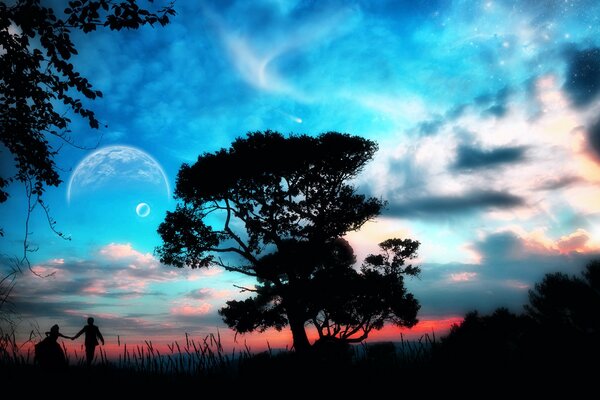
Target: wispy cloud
255, 59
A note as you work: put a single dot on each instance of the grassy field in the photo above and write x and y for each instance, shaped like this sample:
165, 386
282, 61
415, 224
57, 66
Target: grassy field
205, 362
192, 365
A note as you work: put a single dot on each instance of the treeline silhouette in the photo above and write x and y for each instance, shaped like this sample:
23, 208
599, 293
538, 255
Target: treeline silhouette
556, 337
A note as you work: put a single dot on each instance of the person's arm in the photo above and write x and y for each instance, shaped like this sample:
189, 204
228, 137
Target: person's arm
100, 336
78, 333
66, 337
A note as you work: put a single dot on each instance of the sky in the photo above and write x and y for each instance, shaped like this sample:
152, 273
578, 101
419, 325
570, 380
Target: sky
485, 113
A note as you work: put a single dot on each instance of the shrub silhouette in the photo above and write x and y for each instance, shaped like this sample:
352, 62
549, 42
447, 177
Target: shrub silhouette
485, 341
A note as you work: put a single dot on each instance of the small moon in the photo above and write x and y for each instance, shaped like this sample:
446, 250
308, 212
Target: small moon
142, 210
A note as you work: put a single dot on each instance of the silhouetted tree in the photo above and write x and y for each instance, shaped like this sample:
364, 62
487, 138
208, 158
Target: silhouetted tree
285, 203
348, 304
37, 76
563, 303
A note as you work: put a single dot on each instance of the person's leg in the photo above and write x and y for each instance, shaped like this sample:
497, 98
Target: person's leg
89, 354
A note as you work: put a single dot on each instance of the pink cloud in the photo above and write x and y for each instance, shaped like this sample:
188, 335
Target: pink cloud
577, 241
50, 267
44, 270
96, 288
203, 273
125, 251
191, 310
517, 284
463, 276
536, 241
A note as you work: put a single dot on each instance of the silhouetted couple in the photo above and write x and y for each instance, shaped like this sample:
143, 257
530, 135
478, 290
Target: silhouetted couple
49, 354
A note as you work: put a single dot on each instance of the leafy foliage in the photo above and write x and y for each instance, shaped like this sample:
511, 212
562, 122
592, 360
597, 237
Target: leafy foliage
348, 304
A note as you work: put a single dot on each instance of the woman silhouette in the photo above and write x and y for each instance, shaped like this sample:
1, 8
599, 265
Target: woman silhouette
48, 353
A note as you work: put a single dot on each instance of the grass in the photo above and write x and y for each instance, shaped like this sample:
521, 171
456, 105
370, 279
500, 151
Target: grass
206, 357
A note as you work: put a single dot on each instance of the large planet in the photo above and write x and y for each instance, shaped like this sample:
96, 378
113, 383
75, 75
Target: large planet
117, 192
117, 167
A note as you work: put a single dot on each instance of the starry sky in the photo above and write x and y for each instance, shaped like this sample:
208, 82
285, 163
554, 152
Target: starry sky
485, 112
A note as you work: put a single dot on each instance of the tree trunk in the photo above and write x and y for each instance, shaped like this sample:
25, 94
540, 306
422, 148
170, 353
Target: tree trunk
301, 343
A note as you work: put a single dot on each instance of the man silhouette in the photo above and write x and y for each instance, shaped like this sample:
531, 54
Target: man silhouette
92, 334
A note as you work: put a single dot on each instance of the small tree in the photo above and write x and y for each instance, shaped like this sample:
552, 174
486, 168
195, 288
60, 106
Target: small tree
284, 205
347, 304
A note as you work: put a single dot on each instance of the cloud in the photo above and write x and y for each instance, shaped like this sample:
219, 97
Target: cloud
433, 206
501, 168
127, 290
582, 81
522, 242
516, 246
578, 241
494, 104
559, 183
463, 276
254, 59
512, 261
593, 139
191, 309
431, 126
209, 293
204, 273
469, 157
486, 104
120, 272
203, 293
117, 251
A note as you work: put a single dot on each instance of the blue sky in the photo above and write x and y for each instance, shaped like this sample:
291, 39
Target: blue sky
486, 115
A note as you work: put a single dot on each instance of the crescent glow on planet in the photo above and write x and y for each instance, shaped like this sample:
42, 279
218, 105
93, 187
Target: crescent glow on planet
107, 164
142, 210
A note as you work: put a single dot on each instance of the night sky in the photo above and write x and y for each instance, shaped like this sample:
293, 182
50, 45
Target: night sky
485, 112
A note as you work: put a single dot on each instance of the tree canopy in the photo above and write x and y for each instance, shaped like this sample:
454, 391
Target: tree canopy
276, 208
39, 82
568, 303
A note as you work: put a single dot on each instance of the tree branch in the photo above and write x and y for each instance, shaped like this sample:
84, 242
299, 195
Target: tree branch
245, 289
220, 263
247, 253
